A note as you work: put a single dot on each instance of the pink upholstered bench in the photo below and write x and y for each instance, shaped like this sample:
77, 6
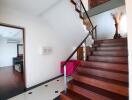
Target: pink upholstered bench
70, 67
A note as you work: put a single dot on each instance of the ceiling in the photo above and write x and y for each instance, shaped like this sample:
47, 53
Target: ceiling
10, 33
34, 7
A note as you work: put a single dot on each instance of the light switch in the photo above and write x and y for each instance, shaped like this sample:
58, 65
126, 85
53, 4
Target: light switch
45, 50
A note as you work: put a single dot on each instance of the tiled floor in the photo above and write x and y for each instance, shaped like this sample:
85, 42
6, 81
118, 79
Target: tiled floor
47, 91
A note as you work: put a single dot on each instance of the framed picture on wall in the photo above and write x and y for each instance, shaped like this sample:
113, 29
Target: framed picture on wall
94, 3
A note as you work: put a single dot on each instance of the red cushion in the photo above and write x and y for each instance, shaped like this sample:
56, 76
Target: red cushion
70, 67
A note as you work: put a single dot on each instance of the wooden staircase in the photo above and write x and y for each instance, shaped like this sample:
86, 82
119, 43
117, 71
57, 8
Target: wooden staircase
104, 76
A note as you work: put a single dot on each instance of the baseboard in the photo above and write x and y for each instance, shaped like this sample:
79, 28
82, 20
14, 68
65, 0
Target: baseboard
57, 98
27, 89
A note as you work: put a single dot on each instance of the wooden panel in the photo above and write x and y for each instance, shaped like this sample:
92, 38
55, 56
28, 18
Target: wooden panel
94, 3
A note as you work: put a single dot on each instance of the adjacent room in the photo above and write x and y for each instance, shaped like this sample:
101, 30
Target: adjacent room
11, 61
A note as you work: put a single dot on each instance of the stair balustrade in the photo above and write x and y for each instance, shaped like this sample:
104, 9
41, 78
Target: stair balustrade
91, 32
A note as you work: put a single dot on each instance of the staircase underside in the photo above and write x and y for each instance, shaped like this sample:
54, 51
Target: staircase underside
104, 76
105, 7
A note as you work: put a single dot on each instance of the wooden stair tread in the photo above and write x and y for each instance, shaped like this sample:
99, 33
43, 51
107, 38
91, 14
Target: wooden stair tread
92, 92
105, 66
70, 95
105, 74
115, 88
83, 90
122, 60
102, 79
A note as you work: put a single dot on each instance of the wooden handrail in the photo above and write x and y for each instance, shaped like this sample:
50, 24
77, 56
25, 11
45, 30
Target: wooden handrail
90, 33
84, 40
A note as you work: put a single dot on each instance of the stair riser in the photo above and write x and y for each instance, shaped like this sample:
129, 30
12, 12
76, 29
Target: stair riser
107, 66
112, 48
103, 85
121, 60
89, 94
71, 95
112, 41
64, 97
109, 45
104, 74
110, 53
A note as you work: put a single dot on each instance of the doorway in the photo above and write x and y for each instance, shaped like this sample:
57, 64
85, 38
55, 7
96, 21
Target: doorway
12, 61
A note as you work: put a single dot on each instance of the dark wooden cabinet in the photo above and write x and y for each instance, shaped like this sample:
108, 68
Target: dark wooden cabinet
80, 55
18, 61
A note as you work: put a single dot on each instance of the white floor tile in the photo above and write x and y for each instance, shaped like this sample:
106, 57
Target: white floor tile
43, 92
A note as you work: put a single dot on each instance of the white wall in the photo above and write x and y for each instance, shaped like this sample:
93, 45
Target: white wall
7, 52
62, 29
65, 21
129, 28
105, 24
86, 4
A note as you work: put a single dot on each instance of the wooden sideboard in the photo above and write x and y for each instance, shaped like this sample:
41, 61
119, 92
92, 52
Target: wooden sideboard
18, 61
